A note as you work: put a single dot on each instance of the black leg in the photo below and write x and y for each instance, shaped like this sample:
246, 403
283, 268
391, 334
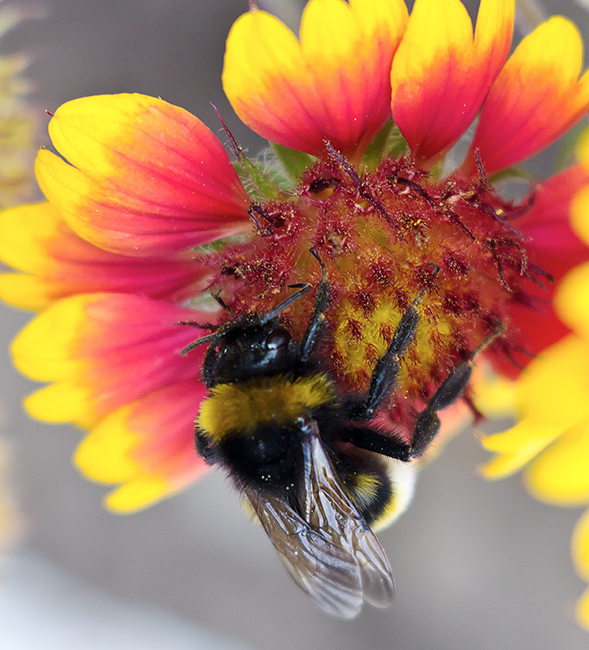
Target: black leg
303, 288
317, 322
386, 370
427, 423
206, 449
385, 444
208, 366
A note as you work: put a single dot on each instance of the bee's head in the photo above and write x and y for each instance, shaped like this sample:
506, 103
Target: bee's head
253, 345
250, 349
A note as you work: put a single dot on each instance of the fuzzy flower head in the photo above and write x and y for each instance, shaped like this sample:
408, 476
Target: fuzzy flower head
147, 219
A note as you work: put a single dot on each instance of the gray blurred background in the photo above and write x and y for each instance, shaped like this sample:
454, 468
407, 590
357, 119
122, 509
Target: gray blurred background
478, 565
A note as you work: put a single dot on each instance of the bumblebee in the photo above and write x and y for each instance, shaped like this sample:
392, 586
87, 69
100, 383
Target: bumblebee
315, 472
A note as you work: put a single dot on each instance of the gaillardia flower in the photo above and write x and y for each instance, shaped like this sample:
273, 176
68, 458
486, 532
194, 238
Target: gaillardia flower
549, 400
148, 224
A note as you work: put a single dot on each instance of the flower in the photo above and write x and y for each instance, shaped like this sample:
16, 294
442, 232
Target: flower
146, 218
549, 400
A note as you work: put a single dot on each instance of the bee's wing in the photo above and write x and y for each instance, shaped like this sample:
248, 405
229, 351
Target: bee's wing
329, 510
325, 571
330, 552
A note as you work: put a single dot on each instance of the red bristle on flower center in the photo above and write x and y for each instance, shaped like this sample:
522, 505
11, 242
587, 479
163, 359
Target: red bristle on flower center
387, 237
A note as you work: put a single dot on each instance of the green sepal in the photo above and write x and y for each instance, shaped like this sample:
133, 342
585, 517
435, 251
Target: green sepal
258, 184
388, 142
295, 162
513, 173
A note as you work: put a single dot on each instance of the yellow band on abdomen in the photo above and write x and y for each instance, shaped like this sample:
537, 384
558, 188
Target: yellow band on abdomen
241, 407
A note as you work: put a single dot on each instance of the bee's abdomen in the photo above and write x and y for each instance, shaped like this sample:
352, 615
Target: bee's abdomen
381, 489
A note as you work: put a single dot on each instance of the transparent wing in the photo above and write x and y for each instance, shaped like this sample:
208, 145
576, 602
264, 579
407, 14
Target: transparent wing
330, 552
327, 508
328, 573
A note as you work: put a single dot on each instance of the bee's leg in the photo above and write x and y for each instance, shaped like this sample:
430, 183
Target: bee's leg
366, 438
206, 449
386, 370
427, 423
208, 366
317, 322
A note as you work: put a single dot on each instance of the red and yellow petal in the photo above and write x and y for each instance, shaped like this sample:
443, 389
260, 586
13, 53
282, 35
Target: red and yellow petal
553, 242
146, 447
536, 98
57, 263
441, 74
332, 84
103, 351
551, 398
554, 248
144, 178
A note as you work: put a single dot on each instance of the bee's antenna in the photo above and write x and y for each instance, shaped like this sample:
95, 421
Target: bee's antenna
201, 326
303, 288
210, 338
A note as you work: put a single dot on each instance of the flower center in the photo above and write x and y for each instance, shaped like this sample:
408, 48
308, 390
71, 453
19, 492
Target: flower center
387, 238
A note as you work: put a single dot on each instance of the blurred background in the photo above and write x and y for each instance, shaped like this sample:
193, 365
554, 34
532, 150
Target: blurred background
478, 565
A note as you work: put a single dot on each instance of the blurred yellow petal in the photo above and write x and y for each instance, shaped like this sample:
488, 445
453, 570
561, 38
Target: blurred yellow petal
580, 546
551, 397
560, 475
554, 389
62, 402
137, 495
22, 231
582, 610
516, 447
105, 454
45, 348
572, 302
24, 291
494, 395
580, 209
